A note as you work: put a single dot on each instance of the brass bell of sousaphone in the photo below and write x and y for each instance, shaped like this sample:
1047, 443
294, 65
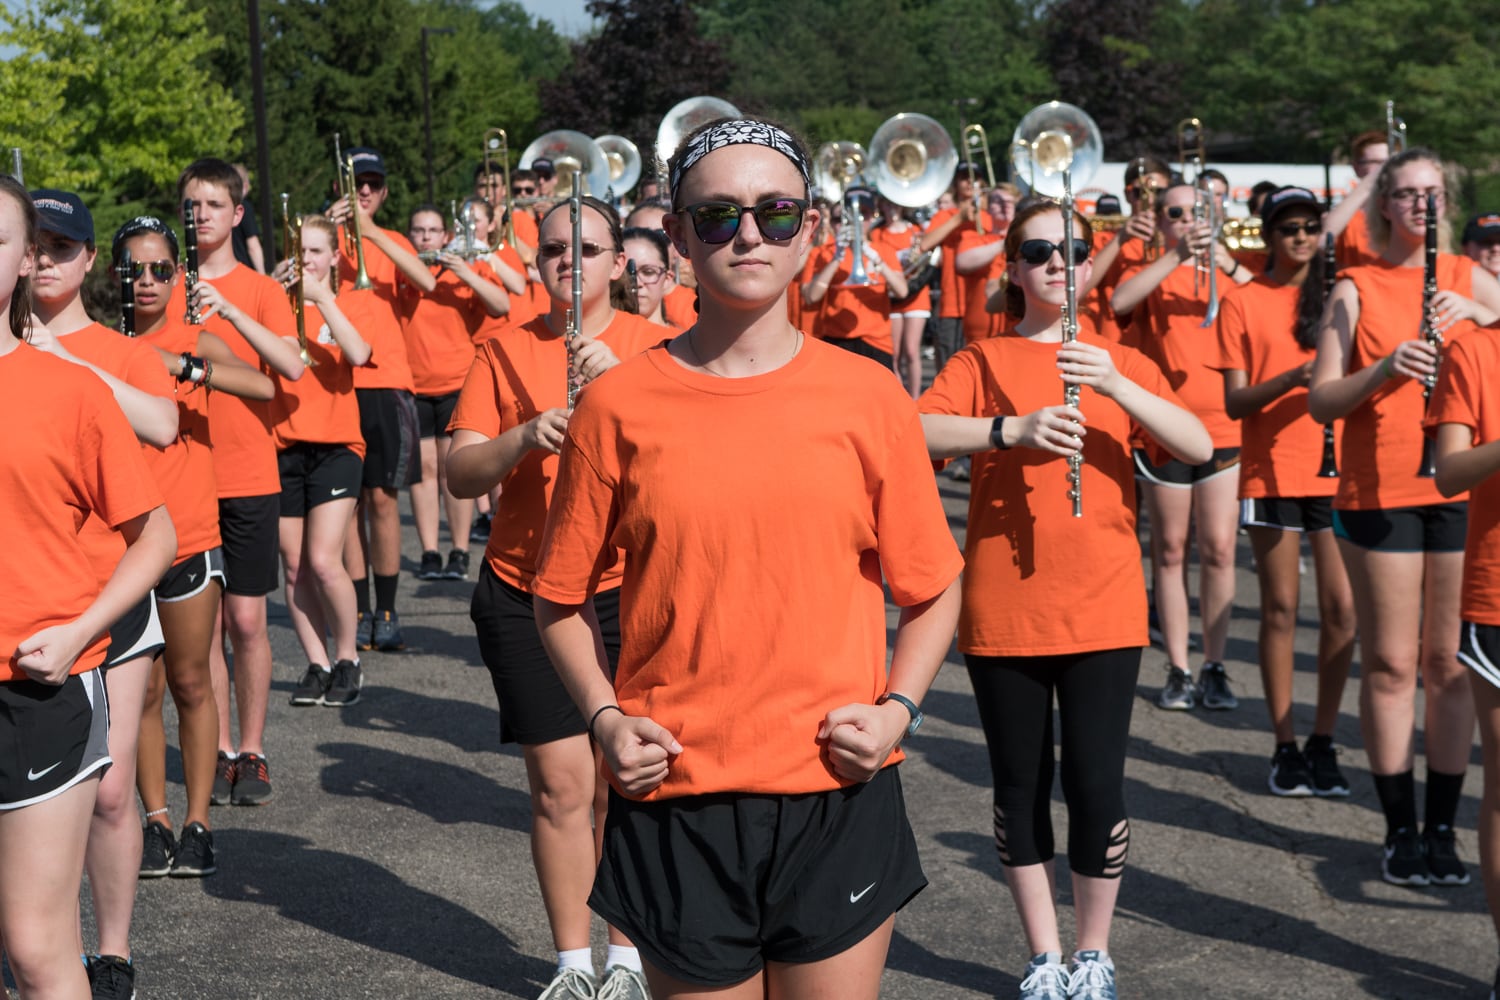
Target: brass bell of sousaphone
1051, 138
624, 163
836, 166
682, 119
912, 159
569, 150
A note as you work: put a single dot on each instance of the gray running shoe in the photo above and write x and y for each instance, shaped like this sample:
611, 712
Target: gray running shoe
387, 637
571, 984
1092, 977
1213, 685
224, 770
621, 983
364, 627
1046, 978
1179, 693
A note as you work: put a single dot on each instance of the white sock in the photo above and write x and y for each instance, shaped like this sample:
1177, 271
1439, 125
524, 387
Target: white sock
581, 959
623, 955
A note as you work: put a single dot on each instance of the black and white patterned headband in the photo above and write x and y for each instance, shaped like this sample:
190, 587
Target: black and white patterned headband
733, 131
143, 224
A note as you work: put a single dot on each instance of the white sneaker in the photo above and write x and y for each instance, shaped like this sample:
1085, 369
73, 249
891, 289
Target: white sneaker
1046, 978
571, 984
621, 983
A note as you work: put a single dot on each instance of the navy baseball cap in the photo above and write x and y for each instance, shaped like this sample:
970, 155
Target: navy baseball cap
366, 161
1483, 229
542, 167
64, 213
1283, 200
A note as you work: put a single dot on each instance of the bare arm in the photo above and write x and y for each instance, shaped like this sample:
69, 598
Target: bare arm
356, 349
1134, 290
1334, 391
1460, 465
1242, 399
496, 302
1339, 217
281, 353
410, 266
978, 258
257, 253
477, 464
148, 414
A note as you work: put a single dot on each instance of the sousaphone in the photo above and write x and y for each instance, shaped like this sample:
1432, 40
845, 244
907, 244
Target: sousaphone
569, 150
911, 160
1051, 138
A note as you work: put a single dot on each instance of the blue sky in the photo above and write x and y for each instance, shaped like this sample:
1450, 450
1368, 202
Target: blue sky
568, 16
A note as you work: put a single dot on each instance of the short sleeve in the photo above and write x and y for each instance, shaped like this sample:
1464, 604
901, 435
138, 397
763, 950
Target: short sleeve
917, 552
955, 390
1455, 398
113, 476
576, 547
1233, 355
479, 402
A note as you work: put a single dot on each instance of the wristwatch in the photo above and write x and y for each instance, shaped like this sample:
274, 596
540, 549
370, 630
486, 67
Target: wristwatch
909, 705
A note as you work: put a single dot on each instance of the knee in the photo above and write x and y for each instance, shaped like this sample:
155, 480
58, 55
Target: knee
1171, 551
1336, 617
116, 798
38, 961
191, 685
558, 798
1278, 613
1023, 836
245, 621
329, 570
1217, 553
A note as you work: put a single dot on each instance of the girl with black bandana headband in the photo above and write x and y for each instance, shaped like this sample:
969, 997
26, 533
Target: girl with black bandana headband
763, 487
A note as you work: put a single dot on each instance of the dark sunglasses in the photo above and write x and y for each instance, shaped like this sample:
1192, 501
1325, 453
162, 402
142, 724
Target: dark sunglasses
1040, 251
161, 270
522, 192
1177, 211
552, 251
1311, 228
372, 181
778, 219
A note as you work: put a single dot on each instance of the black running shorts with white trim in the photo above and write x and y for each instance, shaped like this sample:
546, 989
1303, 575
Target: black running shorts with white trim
1479, 650
1180, 474
314, 474
251, 529
54, 736
1432, 528
1300, 514
137, 633
711, 887
191, 576
392, 432
535, 707
435, 413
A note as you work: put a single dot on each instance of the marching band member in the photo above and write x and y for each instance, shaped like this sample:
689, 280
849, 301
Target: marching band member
1267, 341
1482, 241
1402, 539
981, 264
507, 429
1348, 219
856, 317
998, 399
896, 231
947, 230
795, 849
70, 457
1168, 329
681, 301
649, 249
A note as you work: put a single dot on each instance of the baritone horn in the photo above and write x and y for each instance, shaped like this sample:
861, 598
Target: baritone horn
624, 160
576, 159
911, 160
497, 145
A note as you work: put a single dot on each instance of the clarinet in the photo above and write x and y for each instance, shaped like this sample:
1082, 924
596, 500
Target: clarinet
125, 271
1330, 467
635, 285
1430, 332
190, 260
574, 324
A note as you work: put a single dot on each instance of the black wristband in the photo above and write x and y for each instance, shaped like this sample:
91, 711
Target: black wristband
997, 437
595, 717
1234, 270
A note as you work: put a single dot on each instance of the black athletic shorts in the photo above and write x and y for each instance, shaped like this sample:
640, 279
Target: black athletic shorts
388, 421
1434, 528
313, 474
711, 887
1479, 650
434, 413
1302, 514
251, 532
137, 633
535, 707
863, 348
1180, 474
191, 576
53, 737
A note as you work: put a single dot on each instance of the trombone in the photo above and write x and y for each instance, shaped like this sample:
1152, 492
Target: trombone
495, 142
1395, 130
976, 139
344, 171
291, 236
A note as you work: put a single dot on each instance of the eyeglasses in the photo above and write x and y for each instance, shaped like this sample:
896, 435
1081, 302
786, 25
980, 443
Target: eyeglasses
522, 192
778, 219
650, 274
1311, 228
551, 251
1417, 195
1037, 252
161, 270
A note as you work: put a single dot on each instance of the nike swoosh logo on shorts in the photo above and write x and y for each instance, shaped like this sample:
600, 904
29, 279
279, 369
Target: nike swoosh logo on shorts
339, 492
855, 897
38, 775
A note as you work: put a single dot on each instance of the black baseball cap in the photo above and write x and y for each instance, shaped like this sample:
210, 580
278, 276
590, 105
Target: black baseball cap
542, 167
1283, 200
1483, 229
366, 161
64, 213
1108, 204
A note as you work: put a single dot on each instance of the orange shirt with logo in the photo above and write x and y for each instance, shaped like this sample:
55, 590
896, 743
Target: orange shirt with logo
1281, 447
855, 312
1380, 449
759, 518
439, 327
514, 377
69, 457
1037, 580
1467, 393
320, 407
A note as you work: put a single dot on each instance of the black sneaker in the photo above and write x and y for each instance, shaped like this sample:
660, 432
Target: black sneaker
1404, 862
364, 628
479, 531
223, 780
1443, 866
458, 566
432, 566
1213, 687
344, 688
1179, 693
111, 978
1323, 760
195, 853
313, 686
387, 636
157, 848
1290, 775
252, 781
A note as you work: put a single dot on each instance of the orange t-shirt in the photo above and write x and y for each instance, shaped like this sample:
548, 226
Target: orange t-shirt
1281, 446
192, 404
979, 322
1168, 328
808, 315
1353, 248
855, 312
320, 407
183, 470
1133, 253
952, 304
1038, 581
388, 367
383, 273
756, 515
519, 374
244, 454
526, 228
440, 327
1380, 450
682, 306
1467, 394
69, 456
521, 310
902, 245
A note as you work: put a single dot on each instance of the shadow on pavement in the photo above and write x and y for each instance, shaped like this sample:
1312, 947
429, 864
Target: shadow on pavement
442, 792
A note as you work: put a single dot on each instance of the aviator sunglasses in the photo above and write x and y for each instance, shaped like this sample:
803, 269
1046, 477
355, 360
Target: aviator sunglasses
1040, 251
161, 270
551, 251
778, 219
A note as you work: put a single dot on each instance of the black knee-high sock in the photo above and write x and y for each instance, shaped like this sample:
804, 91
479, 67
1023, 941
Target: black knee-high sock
385, 592
1443, 793
362, 595
1398, 798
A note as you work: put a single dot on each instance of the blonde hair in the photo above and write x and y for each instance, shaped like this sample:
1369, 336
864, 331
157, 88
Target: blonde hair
1375, 220
325, 225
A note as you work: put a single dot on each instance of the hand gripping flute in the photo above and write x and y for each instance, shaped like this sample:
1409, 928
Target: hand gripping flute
575, 315
1073, 392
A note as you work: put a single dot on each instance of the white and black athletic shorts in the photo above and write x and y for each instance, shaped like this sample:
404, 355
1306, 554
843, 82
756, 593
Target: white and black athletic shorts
1300, 514
191, 576
53, 736
1479, 650
137, 633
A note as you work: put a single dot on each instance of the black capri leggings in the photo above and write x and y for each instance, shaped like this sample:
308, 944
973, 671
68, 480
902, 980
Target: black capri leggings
1095, 694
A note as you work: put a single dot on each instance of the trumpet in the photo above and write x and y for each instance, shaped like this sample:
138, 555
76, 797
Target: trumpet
574, 324
1395, 130
495, 142
190, 260
125, 271
1216, 225
344, 170
1146, 185
291, 236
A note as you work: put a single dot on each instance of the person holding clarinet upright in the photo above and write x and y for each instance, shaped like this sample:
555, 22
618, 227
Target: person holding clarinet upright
1402, 540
